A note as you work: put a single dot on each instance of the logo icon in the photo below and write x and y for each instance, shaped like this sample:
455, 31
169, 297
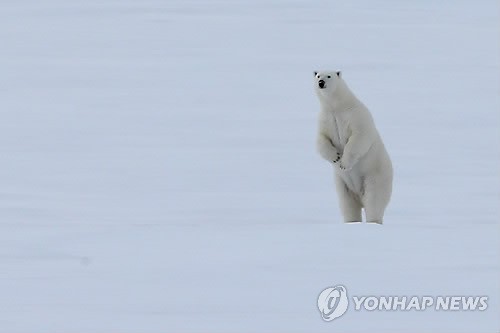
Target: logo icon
333, 302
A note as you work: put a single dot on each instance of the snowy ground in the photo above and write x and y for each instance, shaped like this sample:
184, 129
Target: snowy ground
158, 170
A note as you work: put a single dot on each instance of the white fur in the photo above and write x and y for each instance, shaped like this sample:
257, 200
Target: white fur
363, 174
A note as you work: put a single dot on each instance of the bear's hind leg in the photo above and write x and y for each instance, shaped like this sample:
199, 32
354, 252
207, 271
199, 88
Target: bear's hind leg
374, 213
349, 203
375, 200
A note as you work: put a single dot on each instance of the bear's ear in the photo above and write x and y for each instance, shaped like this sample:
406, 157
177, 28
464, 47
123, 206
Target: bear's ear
315, 73
339, 74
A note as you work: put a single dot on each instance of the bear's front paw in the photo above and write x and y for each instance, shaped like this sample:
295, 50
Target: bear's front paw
337, 159
344, 166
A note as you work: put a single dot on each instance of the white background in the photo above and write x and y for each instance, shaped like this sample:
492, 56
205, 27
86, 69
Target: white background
158, 170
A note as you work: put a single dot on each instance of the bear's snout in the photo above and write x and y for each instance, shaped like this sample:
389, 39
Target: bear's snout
321, 84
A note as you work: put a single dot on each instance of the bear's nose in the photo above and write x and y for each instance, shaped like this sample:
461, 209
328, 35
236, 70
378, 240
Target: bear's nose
321, 83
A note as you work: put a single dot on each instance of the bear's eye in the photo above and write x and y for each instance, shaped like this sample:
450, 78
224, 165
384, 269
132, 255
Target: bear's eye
317, 76
329, 76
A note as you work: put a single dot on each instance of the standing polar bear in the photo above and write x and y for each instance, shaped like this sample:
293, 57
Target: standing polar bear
348, 138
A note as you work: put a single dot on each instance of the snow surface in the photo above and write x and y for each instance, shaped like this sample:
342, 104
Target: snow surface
158, 171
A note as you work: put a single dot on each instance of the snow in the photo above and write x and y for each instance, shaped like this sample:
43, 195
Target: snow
158, 168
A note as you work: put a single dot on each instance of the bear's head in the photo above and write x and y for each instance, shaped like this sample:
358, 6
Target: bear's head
326, 82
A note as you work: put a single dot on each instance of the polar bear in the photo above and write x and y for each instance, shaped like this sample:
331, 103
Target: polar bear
348, 139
